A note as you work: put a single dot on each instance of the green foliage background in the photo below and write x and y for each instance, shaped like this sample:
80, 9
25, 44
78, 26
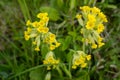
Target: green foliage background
18, 61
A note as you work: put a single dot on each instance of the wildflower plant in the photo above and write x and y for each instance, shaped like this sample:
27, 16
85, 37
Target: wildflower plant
91, 21
39, 31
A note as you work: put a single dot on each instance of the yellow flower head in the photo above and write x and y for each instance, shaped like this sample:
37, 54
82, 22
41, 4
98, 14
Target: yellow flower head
95, 10
90, 25
91, 21
39, 31
100, 28
102, 17
85, 8
52, 47
80, 59
100, 44
88, 57
35, 24
28, 23
78, 16
94, 46
83, 65
42, 15
91, 18
37, 49
49, 59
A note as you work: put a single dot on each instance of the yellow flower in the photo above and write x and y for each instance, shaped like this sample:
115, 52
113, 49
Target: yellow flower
90, 25
100, 39
45, 62
82, 59
37, 49
45, 19
41, 23
35, 24
29, 29
79, 59
48, 68
57, 61
57, 44
100, 44
74, 67
94, 46
41, 15
102, 16
85, 8
39, 32
28, 23
45, 30
52, 47
52, 37
100, 28
34, 42
27, 37
88, 57
83, 65
78, 16
49, 59
45, 14
77, 62
91, 18
40, 29
46, 40
95, 10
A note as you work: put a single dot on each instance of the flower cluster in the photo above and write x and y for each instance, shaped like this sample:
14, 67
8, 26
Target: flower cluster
50, 60
39, 31
91, 20
80, 59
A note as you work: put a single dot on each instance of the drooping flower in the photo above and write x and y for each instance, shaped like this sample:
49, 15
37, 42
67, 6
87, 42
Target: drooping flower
39, 32
80, 59
50, 60
92, 22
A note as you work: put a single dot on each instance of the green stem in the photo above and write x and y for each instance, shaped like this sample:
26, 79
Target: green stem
60, 73
66, 71
84, 46
84, 43
28, 70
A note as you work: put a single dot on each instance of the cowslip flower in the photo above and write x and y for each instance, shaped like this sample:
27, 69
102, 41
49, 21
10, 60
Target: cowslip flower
80, 59
39, 31
50, 61
92, 22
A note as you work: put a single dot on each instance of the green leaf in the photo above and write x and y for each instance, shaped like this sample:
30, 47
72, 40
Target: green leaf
72, 4
37, 74
60, 3
69, 56
68, 73
111, 6
83, 75
24, 9
52, 13
66, 43
73, 34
